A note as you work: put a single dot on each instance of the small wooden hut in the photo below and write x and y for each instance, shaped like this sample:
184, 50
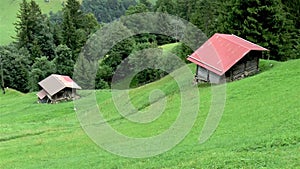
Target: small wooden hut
56, 88
226, 56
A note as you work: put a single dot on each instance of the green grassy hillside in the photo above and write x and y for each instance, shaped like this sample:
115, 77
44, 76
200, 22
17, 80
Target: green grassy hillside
169, 47
260, 127
8, 14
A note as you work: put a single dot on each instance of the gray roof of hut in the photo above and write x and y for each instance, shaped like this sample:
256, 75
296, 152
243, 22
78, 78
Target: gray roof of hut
55, 83
42, 94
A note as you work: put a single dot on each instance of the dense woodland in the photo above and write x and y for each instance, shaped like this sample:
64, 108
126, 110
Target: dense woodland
46, 44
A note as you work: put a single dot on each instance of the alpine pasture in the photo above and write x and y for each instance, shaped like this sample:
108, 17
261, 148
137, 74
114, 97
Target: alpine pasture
260, 127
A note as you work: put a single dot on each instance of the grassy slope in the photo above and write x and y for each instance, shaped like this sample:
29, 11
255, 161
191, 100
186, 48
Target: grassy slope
260, 128
169, 47
8, 13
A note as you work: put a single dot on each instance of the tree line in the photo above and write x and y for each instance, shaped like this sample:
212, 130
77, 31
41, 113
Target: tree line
46, 44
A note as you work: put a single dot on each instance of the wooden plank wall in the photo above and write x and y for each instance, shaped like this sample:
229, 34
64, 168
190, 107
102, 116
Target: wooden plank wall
246, 67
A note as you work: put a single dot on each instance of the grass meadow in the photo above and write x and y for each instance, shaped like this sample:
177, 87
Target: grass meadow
260, 127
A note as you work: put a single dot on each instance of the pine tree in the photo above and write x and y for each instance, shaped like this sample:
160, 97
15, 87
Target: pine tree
136, 22
33, 32
184, 8
293, 8
166, 6
56, 20
63, 61
24, 34
46, 40
147, 4
73, 8
107, 10
263, 22
71, 23
139, 8
69, 31
76, 27
204, 15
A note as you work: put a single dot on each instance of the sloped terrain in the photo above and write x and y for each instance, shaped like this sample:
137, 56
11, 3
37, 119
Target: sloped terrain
260, 127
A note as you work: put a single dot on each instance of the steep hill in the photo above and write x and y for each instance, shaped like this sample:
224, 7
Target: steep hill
260, 127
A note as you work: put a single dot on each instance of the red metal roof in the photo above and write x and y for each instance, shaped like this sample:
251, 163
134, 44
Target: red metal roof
219, 53
67, 79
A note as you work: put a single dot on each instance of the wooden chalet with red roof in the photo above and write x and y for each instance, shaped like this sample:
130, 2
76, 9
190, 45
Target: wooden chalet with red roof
56, 88
226, 56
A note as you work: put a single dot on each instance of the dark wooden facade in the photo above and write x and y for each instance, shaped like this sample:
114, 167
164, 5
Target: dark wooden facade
247, 66
63, 95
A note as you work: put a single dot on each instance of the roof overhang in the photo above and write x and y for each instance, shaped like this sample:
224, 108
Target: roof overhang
42, 94
55, 83
219, 53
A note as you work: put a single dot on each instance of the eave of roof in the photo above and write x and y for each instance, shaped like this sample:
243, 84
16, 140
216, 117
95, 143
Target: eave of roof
221, 52
42, 94
54, 83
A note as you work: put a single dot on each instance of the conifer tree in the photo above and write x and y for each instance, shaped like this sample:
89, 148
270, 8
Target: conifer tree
69, 31
293, 8
23, 27
166, 6
63, 61
204, 15
73, 7
107, 10
263, 22
33, 32
147, 3
76, 27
